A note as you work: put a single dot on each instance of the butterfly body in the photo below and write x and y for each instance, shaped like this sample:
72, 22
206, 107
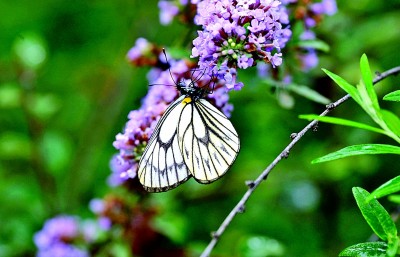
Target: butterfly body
192, 139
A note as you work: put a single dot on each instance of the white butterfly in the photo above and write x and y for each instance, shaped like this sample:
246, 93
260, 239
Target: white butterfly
192, 138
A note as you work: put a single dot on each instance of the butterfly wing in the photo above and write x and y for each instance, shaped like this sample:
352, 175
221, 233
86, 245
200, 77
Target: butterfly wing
162, 166
208, 141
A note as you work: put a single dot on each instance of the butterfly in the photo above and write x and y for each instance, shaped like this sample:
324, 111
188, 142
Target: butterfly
192, 139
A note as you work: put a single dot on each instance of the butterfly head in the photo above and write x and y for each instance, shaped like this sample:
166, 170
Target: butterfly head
189, 88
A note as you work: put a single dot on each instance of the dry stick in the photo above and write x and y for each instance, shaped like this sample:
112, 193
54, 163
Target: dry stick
239, 208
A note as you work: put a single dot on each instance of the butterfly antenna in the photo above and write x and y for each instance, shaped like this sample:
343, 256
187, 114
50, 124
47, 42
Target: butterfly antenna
198, 76
212, 81
161, 85
169, 67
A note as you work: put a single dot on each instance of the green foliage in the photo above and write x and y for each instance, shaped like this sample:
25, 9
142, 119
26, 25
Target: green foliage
364, 94
376, 216
359, 150
377, 249
373, 212
316, 44
300, 90
393, 96
390, 187
380, 222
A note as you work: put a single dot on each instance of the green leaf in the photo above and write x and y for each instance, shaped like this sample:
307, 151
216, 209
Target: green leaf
359, 150
390, 187
301, 90
368, 104
367, 79
392, 121
377, 249
308, 93
346, 86
394, 198
375, 215
393, 96
343, 122
316, 44
393, 245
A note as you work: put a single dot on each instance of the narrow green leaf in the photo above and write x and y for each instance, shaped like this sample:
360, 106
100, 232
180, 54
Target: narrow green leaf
393, 245
368, 105
392, 121
394, 198
359, 150
390, 187
346, 86
301, 90
343, 122
367, 79
316, 44
375, 215
393, 96
308, 93
377, 249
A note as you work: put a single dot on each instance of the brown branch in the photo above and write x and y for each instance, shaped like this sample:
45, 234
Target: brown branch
252, 185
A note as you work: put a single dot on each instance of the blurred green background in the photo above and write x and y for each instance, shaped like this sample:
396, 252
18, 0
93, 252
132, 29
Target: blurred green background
66, 89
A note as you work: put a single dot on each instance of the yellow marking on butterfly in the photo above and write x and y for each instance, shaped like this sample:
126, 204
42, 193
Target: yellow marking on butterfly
187, 100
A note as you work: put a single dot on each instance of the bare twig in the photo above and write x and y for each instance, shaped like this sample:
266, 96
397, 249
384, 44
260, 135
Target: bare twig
252, 185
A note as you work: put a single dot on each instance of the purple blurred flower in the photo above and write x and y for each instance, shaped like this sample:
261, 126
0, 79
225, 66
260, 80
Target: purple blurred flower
56, 238
98, 207
167, 11
105, 223
237, 34
308, 59
58, 229
184, 9
145, 53
307, 35
141, 47
328, 7
62, 250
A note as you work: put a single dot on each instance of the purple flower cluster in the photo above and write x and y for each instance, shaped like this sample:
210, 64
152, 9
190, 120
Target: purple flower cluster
133, 140
57, 237
237, 34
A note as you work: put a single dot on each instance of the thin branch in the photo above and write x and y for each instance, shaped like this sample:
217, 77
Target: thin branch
252, 185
